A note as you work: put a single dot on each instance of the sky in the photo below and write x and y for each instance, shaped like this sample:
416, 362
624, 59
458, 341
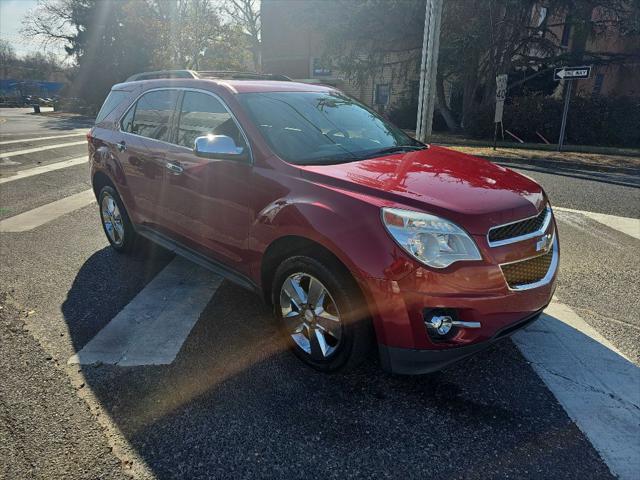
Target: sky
11, 15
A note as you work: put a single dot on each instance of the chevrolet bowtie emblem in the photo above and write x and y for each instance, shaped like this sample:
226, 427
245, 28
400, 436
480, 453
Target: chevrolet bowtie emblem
544, 243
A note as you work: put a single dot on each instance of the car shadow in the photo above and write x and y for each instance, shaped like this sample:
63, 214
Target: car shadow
236, 404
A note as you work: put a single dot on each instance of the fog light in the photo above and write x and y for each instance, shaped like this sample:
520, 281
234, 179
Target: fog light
441, 324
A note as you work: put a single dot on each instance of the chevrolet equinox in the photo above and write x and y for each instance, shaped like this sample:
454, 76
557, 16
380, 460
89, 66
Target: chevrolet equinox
355, 233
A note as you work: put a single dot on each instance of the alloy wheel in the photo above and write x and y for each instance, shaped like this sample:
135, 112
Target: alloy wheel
311, 316
112, 219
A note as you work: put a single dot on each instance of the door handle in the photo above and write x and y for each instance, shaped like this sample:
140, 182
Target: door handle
121, 146
174, 168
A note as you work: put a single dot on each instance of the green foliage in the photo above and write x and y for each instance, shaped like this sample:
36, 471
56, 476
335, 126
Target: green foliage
109, 40
607, 121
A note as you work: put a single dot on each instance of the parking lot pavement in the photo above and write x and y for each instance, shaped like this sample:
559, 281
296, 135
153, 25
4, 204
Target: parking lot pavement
223, 398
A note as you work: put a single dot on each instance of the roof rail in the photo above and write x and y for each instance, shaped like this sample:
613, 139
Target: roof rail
236, 75
223, 74
162, 74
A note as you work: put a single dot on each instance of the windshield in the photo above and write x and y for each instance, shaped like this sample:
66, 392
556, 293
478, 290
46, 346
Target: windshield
322, 128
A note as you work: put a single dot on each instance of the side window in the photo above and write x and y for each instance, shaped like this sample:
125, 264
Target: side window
126, 124
151, 116
201, 115
112, 101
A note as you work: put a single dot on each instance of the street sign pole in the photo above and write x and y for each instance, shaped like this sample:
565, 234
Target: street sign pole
568, 75
563, 126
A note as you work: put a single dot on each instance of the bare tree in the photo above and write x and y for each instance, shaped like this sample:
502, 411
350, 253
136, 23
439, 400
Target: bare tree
187, 29
51, 22
246, 14
8, 57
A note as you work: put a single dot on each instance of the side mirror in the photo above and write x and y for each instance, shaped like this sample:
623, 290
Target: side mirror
219, 147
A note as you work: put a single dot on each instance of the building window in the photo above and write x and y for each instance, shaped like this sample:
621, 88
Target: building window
566, 32
382, 94
597, 85
539, 18
318, 69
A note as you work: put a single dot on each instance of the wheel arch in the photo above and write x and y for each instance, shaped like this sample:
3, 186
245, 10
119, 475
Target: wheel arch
292, 245
101, 180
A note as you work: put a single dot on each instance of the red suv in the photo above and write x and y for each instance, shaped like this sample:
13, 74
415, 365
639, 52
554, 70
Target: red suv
355, 233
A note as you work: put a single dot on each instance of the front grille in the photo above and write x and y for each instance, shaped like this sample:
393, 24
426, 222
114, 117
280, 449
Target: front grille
518, 229
527, 271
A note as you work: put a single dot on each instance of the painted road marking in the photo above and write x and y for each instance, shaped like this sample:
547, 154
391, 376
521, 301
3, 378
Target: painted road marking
598, 386
151, 329
72, 162
38, 139
46, 213
629, 226
16, 153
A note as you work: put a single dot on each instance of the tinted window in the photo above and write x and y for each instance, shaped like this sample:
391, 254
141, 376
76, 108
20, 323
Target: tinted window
201, 115
126, 124
310, 127
151, 116
114, 99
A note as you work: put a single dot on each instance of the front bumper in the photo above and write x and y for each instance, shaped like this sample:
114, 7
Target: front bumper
407, 361
477, 293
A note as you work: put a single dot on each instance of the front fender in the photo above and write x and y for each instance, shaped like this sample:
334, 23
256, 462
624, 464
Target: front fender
358, 238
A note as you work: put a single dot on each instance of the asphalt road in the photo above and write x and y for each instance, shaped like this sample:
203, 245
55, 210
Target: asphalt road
234, 403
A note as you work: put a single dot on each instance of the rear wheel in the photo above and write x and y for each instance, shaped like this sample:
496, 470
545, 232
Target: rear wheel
115, 221
321, 313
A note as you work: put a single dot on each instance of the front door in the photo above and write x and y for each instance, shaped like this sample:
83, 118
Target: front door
206, 199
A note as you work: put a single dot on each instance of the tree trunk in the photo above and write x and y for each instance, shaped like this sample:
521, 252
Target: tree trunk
468, 96
443, 108
256, 55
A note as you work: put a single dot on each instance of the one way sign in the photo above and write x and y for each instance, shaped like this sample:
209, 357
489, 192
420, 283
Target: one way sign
571, 73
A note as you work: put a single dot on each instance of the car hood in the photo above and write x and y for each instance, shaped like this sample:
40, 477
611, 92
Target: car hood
473, 192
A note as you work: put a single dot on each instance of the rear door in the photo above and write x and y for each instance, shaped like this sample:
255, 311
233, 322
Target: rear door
206, 199
145, 131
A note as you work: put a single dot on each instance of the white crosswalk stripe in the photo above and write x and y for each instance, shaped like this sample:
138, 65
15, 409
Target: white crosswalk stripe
597, 386
30, 172
151, 329
17, 153
626, 225
46, 213
39, 139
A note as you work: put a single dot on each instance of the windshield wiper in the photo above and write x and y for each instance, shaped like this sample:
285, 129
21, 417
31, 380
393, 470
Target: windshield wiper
354, 157
394, 149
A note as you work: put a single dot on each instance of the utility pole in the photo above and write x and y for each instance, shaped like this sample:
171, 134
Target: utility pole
428, 68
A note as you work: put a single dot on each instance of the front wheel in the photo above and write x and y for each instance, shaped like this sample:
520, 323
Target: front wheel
321, 313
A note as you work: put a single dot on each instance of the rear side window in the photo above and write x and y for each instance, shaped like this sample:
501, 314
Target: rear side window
112, 101
201, 115
151, 115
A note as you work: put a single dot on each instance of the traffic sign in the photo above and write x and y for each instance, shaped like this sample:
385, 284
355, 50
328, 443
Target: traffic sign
501, 95
571, 73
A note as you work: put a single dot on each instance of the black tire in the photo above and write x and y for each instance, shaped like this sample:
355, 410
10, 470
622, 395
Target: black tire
130, 238
356, 338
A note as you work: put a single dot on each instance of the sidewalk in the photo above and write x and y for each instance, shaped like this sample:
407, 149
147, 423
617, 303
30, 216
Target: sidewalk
460, 140
614, 169
596, 161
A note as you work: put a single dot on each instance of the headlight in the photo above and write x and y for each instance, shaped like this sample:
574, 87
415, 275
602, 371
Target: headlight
432, 240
